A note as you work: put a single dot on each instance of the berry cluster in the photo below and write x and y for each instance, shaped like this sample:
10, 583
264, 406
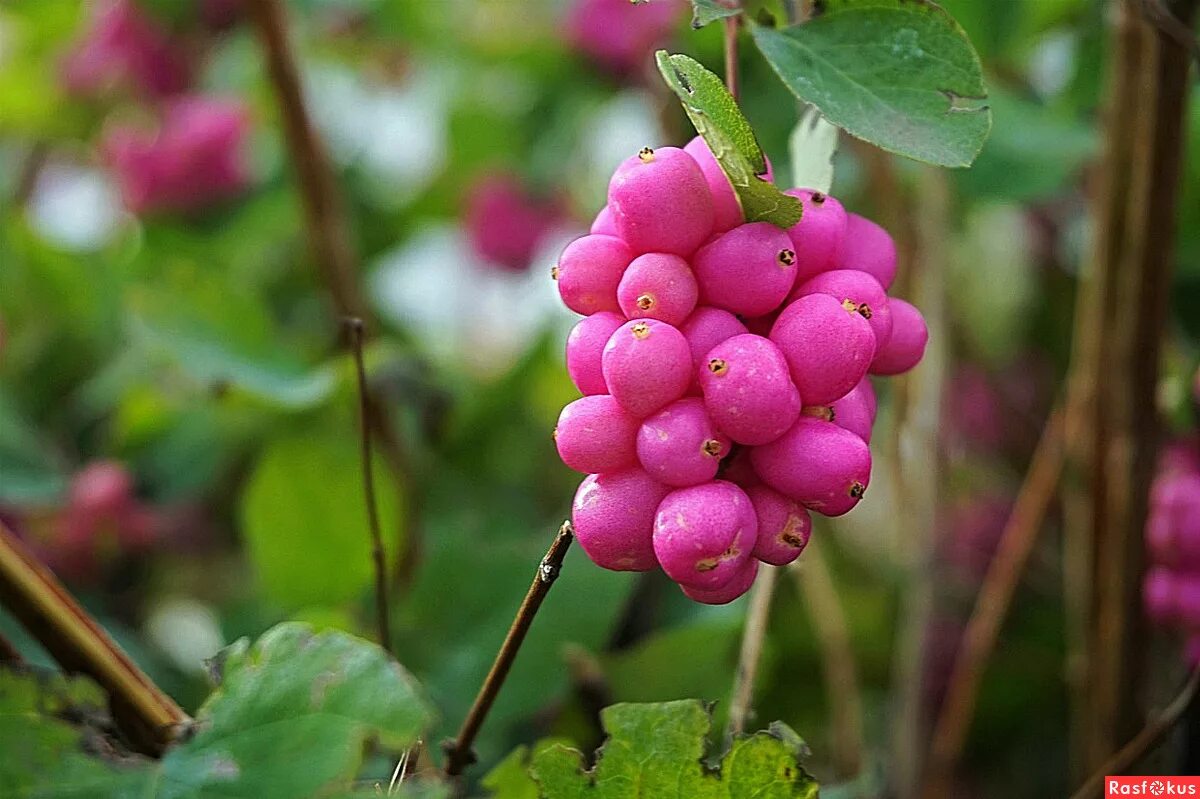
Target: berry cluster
1172, 585
724, 371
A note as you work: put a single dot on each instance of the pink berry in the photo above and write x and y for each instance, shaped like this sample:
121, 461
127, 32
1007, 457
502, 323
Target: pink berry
727, 211
595, 435
505, 223
1187, 600
618, 35
855, 411
868, 248
704, 329
589, 271
660, 202
613, 515
828, 346
647, 364
679, 445
819, 234
858, 289
737, 586
1158, 594
748, 391
603, 223
818, 463
704, 534
585, 346
102, 489
784, 526
125, 48
904, 349
658, 286
748, 270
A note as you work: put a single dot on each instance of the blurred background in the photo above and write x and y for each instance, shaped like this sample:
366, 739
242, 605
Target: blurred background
178, 416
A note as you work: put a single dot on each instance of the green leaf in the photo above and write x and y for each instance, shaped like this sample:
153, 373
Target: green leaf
291, 717
706, 11
30, 471
659, 750
305, 519
900, 74
811, 147
719, 120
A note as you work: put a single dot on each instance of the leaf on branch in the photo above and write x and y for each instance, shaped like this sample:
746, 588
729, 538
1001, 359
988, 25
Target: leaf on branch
900, 74
291, 718
660, 750
706, 11
719, 120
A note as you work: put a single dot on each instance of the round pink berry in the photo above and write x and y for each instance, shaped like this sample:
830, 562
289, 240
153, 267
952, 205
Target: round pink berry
727, 211
613, 515
748, 391
855, 411
824, 466
748, 270
868, 248
603, 223
704, 329
585, 346
784, 526
647, 364
904, 349
818, 235
588, 272
828, 346
704, 533
658, 286
660, 202
679, 445
849, 286
1158, 594
737, 586
595, 434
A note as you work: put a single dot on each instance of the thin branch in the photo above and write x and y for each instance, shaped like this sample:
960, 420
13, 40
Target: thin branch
368, 472
991, 606
740, 703
731, 54
1157, 13
36, 598
839, 667
459, 752
1145, 741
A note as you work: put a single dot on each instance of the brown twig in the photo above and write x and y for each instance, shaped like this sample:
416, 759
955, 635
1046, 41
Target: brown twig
991, 606
750, 654
459, 753
731, 53
838, 665
36, 598
1156, 12
1145, 741
368, 473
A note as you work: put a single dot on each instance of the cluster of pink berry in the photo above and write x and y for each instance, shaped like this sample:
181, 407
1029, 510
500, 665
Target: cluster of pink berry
724, 371
1172, 586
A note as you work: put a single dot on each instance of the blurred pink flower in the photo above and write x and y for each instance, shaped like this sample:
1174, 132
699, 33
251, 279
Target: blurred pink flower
125, 48
504, 223
618, 34
192, 160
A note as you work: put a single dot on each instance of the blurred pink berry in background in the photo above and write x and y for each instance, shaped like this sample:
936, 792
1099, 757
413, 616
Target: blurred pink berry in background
125, 49
619, 35
505, 223
973, 528
193, 159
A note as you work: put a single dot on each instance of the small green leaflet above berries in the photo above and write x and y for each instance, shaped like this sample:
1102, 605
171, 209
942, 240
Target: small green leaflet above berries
661, 749
900, 74
706, 11
718, 119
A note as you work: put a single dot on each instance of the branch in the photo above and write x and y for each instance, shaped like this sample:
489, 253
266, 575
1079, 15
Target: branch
1150, 737
368, 472
731, 54
459, 753
751, 651
991, 606
838, 664
33, 595
1158, 15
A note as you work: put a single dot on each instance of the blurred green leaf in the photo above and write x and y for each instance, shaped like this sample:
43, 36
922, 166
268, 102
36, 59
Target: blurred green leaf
30, 471
719, 120
706, 11
659, 750
900, 74
305, 520
510, 778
